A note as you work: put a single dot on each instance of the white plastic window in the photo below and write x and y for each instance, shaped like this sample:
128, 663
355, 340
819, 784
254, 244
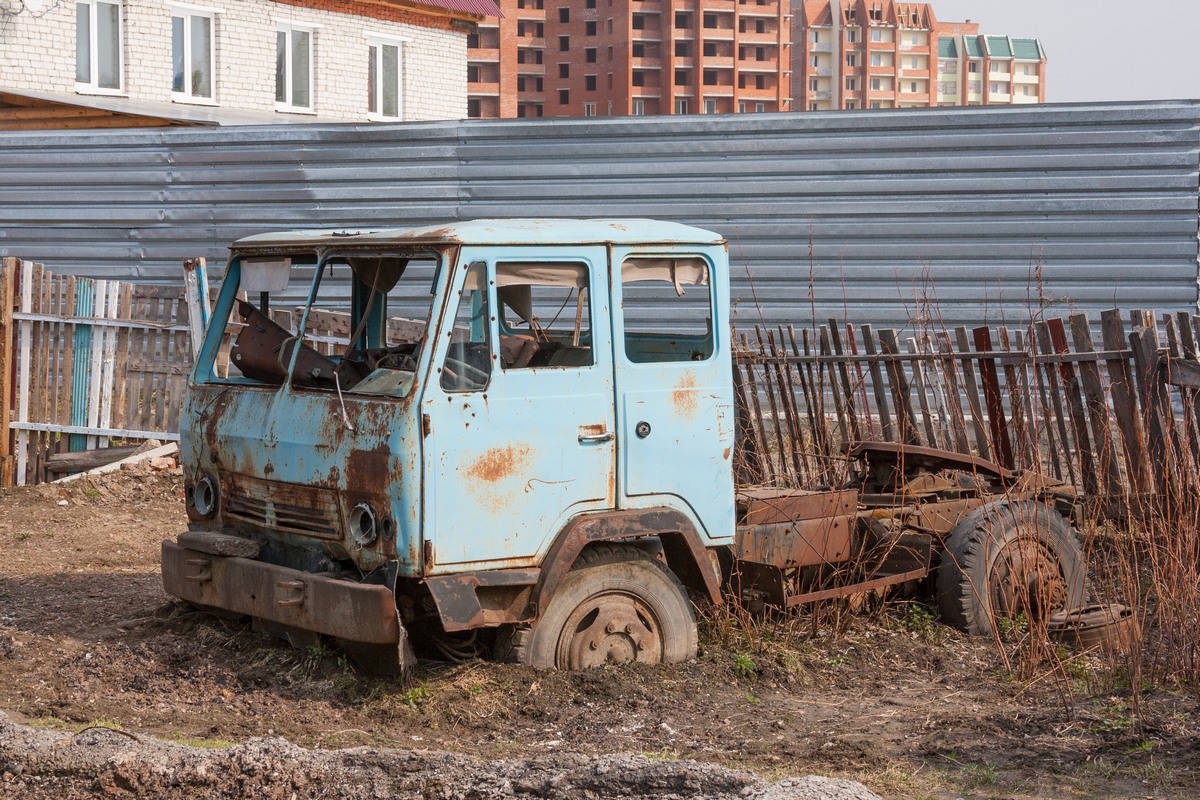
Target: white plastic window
192, 54
293, 68
99, 45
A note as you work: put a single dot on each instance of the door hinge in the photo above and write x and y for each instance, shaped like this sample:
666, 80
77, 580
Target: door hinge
427, 554
426, 425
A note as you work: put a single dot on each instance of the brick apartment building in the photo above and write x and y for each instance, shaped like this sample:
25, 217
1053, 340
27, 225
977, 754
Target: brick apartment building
560, 58
880, 54
628, 57
150, 61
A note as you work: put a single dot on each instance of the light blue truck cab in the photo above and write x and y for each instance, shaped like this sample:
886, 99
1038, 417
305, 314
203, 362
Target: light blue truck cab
506, 435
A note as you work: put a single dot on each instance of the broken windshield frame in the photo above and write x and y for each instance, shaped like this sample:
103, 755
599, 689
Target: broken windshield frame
356, 344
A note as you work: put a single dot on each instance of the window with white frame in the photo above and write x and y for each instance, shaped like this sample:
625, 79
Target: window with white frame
385, 73
710, 106
639, 108
589, 109
99, 42
681, 105
293, 67
192, 52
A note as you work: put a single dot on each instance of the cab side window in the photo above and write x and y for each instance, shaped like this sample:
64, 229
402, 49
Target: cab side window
468, 363
667, 308
545, 318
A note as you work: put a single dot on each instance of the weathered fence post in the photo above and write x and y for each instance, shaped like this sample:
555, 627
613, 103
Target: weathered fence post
8, 283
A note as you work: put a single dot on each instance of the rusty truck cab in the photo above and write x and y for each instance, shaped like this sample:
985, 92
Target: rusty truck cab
430, 424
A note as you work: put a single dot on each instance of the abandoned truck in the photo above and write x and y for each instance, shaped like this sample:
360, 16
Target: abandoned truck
541, 462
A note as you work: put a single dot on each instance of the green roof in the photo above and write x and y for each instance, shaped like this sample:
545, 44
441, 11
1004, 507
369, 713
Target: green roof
1027, 49
947, 47
973, 48
998, 47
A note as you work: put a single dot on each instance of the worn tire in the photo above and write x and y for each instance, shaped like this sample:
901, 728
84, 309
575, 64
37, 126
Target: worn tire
616, 605
1007, 558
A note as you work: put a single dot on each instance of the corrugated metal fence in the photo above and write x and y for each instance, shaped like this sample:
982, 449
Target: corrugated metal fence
866, 217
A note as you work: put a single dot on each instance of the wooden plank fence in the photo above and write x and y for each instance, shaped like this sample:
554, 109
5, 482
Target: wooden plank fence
86, 364
1120, 421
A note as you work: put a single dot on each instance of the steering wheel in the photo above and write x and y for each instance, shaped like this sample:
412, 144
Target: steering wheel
459, 368
401, 361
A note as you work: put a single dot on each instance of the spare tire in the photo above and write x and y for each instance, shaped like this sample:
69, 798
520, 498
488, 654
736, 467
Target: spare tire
1007, 559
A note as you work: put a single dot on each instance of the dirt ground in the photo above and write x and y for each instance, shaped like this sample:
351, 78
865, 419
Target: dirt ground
892, 698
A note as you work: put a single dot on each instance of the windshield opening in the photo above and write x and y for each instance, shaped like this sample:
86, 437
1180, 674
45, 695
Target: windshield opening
363, 333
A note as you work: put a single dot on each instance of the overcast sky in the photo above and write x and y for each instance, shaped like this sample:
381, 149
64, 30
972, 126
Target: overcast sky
1099, 49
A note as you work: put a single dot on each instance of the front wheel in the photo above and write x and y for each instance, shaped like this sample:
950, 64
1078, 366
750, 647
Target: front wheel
1006, 560
617, 605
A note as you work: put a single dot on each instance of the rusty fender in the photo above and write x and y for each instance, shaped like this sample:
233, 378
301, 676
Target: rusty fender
355, 611
686, 555
489, 598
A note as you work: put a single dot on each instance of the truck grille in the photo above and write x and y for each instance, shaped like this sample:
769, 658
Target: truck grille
277, 506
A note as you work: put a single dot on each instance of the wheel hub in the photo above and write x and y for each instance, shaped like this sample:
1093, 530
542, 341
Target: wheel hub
1026, 578
610, 628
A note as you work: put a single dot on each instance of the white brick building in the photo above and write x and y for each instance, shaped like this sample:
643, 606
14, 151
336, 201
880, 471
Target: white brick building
288, 59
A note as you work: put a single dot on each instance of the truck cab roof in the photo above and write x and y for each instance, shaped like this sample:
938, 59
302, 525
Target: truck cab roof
491, 232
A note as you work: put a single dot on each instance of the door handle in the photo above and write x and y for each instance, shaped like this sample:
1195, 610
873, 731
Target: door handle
607, 436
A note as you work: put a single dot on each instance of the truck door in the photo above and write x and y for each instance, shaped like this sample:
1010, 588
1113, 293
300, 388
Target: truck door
518, 406
674, 388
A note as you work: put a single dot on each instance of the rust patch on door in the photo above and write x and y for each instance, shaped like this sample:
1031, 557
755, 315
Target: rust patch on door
683, 398
498, 463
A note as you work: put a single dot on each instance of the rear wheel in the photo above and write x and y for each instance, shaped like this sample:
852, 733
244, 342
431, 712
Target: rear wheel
617, 605
1006, 560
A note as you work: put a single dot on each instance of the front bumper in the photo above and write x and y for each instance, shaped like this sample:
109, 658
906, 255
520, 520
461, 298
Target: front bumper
353, 611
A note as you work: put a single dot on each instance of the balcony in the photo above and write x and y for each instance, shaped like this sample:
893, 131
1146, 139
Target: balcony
651, 83
820, 47
718, 34
754, 93
1018, 77
821, 95
752, 65
819, 72
756, 10
754, 37
717, 62
483, 55
490, 89
649, 33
